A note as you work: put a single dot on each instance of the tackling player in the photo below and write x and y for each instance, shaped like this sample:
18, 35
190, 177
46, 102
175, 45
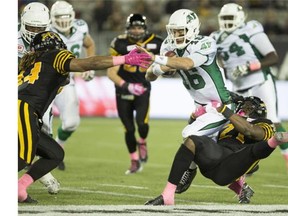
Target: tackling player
43, 71
228, 159
35, 18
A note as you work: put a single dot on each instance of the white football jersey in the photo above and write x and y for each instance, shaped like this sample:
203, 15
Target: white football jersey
239, 48
22, 46
74, 41
206, 82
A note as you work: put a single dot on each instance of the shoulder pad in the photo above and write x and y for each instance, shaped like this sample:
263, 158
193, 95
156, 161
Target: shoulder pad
204, 45
254, 27
215, 34
81, 25
122, 36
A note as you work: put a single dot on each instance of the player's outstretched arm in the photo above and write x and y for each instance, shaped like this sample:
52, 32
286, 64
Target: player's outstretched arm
134, 57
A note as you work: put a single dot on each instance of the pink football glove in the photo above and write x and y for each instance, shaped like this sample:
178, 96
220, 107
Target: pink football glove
138, 58
136, 88
200, 110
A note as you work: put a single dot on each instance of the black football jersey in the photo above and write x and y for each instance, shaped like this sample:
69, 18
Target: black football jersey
122, 45
39, 84
231, 138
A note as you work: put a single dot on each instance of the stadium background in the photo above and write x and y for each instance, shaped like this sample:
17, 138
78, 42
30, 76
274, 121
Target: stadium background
106, 19
96, 155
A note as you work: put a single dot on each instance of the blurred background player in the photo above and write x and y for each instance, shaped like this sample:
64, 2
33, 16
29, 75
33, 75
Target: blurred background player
75, 34
248, 55
132, 89
35, 18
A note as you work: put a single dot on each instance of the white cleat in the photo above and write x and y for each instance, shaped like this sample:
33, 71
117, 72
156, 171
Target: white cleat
281, 136
51, 183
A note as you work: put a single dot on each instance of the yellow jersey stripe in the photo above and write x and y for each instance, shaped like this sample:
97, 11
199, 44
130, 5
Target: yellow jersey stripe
252, 166
20, 133
147, 116
29, 132
60, 60
147, 41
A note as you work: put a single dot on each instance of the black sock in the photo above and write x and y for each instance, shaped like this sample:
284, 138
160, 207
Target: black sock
181, 163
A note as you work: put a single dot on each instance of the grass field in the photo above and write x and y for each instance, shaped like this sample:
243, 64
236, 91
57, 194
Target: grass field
96, 159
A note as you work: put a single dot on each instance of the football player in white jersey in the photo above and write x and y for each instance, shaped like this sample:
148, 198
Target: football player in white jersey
247, 56
75, 34
35, 18
195, 62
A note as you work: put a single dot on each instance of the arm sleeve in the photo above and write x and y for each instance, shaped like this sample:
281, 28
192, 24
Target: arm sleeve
198, 59
62, 61
262, 43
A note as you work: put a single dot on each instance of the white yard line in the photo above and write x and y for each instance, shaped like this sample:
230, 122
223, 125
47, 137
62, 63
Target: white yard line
141, 210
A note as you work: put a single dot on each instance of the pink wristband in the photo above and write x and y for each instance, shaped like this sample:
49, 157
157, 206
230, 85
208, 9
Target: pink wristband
254, 66
122, 82
118, 60
273, 142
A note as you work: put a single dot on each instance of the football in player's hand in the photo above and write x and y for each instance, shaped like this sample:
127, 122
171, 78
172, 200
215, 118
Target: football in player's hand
172, 72
170, 54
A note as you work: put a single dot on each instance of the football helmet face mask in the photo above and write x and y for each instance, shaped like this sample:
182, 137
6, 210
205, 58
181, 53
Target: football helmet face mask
47, 40
35, 18
133, 21
231, 17
62, 16
252, 107
182, 28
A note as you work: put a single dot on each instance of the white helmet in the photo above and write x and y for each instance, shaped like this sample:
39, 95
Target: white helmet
62, 15
231, 17
186, 20
35, 18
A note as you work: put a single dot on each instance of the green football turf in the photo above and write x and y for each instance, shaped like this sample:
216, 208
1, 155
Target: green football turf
96, 159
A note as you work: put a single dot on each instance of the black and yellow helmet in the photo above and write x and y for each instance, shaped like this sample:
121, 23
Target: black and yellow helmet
252, 107
136, 20
47, 40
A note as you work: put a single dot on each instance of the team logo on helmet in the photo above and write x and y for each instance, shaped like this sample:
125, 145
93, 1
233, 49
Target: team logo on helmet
47, 40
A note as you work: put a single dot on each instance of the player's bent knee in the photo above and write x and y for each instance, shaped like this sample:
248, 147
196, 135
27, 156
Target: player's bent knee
71, 125
190, 144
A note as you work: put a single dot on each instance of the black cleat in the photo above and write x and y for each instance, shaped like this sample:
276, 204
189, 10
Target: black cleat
157, 201
61, 166
186, 180
245, 194
29, 200
143, 154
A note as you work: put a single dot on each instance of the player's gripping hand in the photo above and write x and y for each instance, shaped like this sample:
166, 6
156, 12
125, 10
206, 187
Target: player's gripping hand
134, 88
88, 75
138, 58
239, 71
242, 70
212, 107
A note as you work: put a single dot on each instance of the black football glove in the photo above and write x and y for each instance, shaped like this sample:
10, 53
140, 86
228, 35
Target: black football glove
235, 98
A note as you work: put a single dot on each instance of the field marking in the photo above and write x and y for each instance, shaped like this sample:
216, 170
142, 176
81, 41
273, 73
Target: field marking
124, 186
276, 186
88, 190
141, 210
